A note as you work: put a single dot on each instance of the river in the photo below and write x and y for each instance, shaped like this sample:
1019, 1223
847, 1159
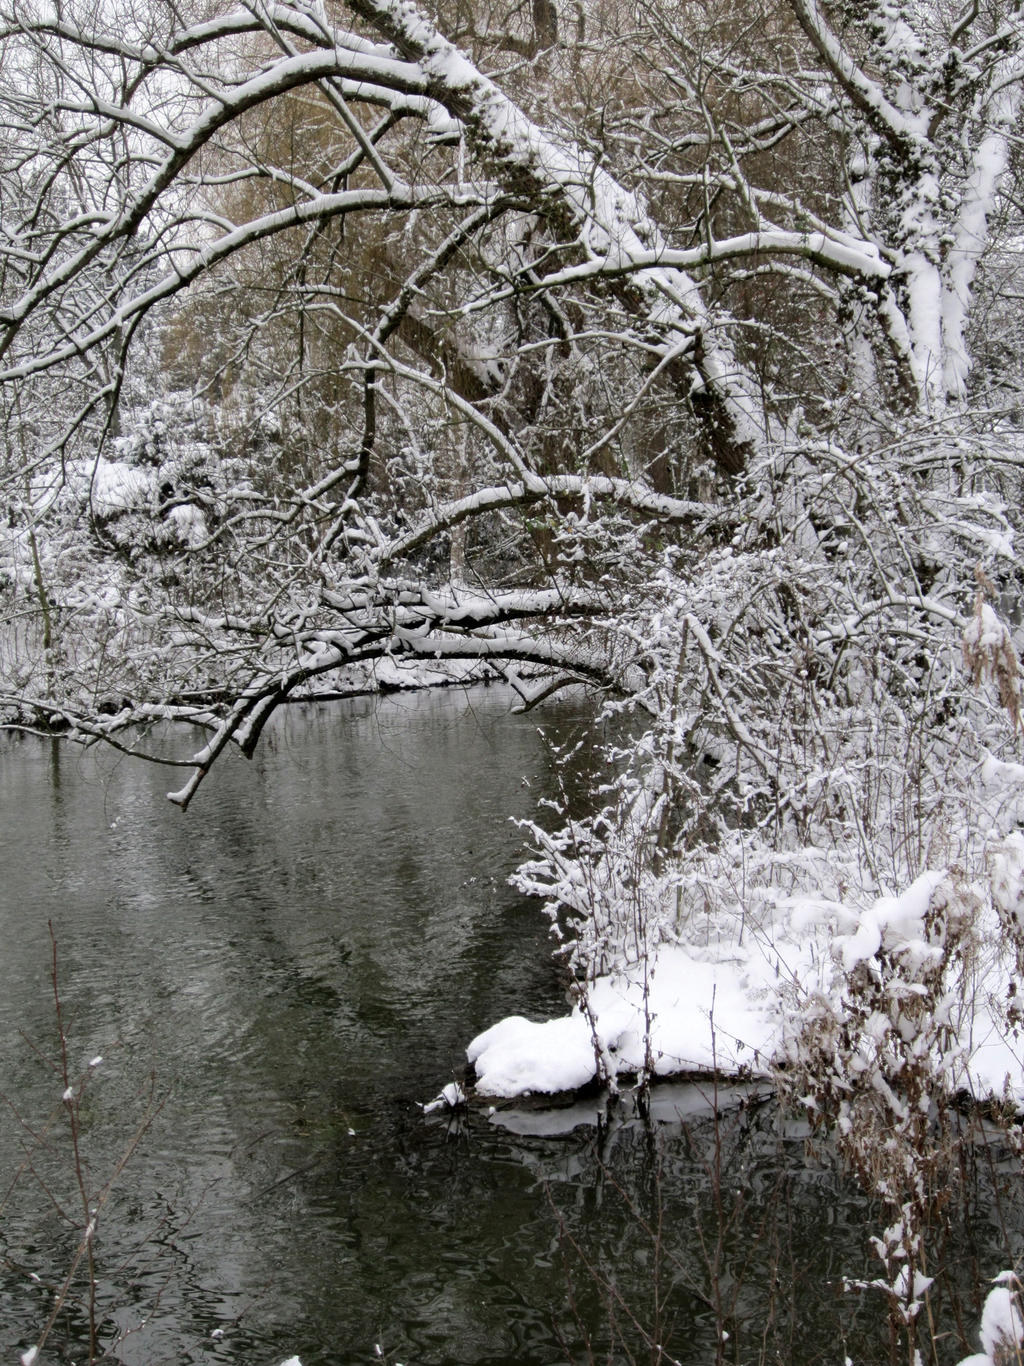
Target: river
291, 969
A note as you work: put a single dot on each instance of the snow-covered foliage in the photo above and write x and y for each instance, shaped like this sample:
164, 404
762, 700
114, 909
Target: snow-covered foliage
107, 550
1002, 1327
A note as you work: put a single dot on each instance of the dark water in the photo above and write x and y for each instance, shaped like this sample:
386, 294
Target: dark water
291, 967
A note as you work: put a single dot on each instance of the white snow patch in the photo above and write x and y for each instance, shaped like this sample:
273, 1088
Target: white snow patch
893, 922
111, 486
995, 773
700, 1014
517, 1056
450, 1099
1002, 1328
188, 523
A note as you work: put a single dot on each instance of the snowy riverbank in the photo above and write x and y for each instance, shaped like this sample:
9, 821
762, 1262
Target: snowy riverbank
738, 1009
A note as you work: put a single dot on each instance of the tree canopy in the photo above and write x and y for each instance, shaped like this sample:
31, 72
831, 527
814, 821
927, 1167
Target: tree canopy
673, 352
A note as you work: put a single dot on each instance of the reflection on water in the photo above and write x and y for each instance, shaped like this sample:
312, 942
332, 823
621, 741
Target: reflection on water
299, 961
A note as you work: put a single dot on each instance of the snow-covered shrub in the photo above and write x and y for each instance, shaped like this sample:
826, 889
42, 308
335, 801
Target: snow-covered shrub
604, 897
115, 545
876, 1052
812, 791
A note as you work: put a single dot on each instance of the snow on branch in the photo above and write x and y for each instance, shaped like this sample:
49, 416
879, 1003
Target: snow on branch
322, 208
612, 223
628, 494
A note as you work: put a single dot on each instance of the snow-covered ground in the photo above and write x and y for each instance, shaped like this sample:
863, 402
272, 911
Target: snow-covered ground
702, 1014
735, 1008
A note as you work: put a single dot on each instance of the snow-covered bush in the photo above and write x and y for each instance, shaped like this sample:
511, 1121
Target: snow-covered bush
115, 545
812, 802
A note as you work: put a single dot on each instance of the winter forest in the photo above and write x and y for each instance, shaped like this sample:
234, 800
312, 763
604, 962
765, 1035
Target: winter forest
670, 352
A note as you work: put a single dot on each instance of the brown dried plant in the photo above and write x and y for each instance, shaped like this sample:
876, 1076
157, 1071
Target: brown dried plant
989, 654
